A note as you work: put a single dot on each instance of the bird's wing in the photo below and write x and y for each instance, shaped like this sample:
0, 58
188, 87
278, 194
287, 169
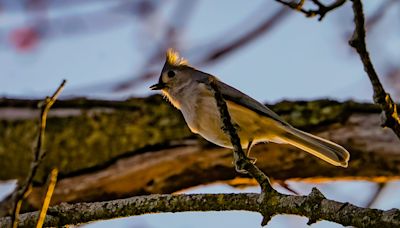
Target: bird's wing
231, 94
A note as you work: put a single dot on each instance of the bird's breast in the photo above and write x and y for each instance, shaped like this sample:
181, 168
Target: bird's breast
201, 114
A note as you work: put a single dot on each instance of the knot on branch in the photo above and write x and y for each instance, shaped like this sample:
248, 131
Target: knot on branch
354, 41
380, 97
266, 218
313, 201
267, 201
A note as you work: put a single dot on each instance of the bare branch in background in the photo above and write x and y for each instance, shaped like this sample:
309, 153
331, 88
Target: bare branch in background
383, 99
214, 54
286, 186
40, 27
379, 13
378, 191
391, 118
393, 79
247, 38
14, 202
322, 9
170, 38
387, 63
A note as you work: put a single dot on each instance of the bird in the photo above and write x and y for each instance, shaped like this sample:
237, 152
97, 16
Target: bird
187, 90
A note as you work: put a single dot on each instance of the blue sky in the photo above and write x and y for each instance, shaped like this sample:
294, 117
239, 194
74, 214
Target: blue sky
300, 59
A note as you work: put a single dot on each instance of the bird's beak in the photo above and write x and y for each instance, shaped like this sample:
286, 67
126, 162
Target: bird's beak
158, 86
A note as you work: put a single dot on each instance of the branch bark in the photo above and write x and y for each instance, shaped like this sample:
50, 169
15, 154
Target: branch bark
118, 149
312, 206
390, 116
381, 97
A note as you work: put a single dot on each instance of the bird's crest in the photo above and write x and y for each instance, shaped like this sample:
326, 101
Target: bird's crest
174, 59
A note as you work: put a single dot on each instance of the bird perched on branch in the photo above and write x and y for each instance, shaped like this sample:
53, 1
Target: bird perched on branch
186, 88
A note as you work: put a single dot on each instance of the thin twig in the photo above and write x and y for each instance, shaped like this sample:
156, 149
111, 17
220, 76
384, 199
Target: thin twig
241, 161
383, 99
47, 198
322, 9
286, 186
378, 191
22, 190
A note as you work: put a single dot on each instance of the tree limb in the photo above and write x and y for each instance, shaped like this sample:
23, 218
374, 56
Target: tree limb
268, 194
383, 99
313, 205
110, 149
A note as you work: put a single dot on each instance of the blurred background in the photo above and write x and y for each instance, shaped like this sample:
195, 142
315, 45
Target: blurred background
115, 49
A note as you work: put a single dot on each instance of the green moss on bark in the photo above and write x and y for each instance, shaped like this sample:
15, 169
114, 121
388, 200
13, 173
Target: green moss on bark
82, 141
105, 130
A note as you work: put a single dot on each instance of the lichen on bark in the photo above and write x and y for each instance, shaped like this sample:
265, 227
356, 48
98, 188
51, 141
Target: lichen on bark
78, 142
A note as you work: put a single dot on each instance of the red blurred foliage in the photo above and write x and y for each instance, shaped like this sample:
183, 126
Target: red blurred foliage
24, 39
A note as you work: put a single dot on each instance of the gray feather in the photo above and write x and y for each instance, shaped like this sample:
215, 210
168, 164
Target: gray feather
234, 95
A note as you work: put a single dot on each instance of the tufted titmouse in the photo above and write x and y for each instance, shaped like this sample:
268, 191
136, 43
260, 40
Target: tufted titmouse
185, 87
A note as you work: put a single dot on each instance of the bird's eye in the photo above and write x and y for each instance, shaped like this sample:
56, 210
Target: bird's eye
171, 74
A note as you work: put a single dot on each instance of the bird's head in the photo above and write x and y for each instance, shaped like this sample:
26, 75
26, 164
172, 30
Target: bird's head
175, 74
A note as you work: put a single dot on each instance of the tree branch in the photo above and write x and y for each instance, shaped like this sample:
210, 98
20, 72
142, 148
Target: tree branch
264, 27
241, 161
23, 189
105, 167
312, 206
322, 9
313, 202
391, 118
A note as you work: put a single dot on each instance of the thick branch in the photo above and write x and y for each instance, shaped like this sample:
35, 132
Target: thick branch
311, 206
118, 149
381, 98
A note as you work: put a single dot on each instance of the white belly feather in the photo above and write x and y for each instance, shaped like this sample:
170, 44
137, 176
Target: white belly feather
202, 117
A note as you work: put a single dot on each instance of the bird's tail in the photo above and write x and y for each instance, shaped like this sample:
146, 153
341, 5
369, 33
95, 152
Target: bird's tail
322, 148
